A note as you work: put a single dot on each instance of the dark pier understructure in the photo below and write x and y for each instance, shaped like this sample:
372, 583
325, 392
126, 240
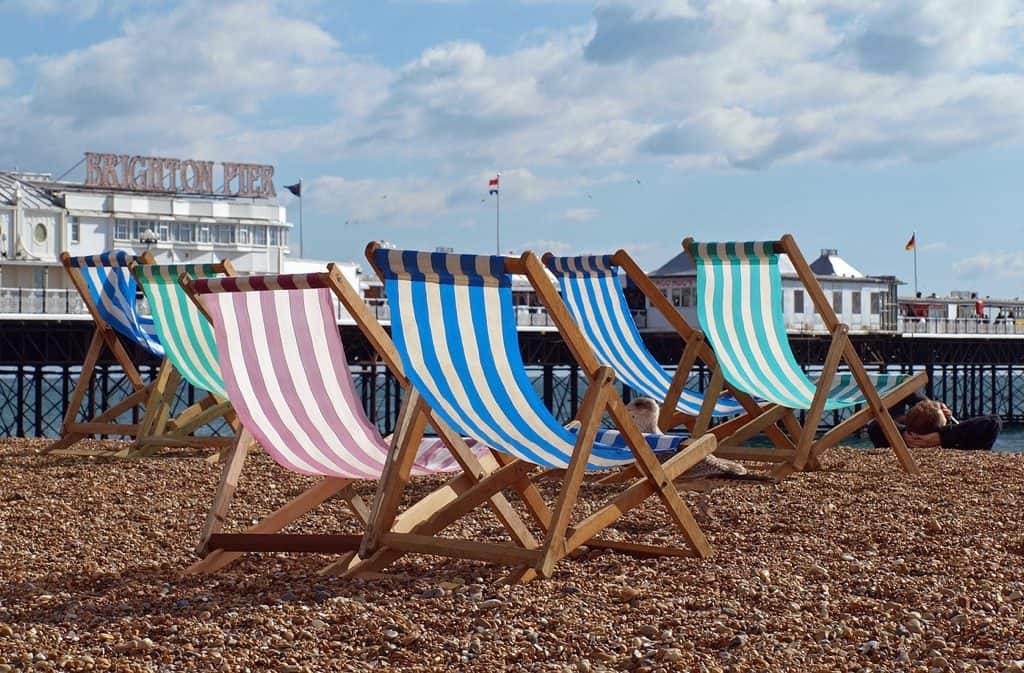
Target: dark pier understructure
40, 362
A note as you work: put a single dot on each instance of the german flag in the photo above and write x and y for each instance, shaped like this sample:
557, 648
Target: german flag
912, 243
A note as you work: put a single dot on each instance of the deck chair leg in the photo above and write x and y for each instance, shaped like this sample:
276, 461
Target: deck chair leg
158, 404
226, 488
501, 507
707, 407
469, 496
840, 338
594, 402
675, 390
864, 416
653, 472
412, 421
157, 397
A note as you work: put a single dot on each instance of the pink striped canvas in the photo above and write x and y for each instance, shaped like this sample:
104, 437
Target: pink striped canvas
287, 377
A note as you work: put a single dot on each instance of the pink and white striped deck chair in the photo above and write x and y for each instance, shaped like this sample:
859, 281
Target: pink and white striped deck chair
287, 378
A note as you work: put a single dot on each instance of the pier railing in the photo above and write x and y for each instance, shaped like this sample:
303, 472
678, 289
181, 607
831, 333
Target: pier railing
65, 302
955, 326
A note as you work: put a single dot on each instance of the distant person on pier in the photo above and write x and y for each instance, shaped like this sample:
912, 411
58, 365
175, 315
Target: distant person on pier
931, 423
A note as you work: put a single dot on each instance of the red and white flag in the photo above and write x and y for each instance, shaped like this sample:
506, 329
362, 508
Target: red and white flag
493, 184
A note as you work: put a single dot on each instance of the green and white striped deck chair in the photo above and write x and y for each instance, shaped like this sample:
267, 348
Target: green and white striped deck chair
191, 353
739, 305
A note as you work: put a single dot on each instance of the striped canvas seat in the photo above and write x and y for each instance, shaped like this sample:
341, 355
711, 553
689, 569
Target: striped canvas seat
592, 291
112, 288
739, 290
454, 330
453, 323
185, 333
108, 288
287, 377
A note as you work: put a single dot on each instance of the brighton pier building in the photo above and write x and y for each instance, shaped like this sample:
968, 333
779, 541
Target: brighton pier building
182, 211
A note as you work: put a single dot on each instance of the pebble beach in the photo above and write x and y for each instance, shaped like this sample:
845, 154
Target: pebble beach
856, 567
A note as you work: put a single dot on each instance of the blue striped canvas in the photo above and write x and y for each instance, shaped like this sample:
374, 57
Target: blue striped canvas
739, 305
453, 323
592, 292
112, 288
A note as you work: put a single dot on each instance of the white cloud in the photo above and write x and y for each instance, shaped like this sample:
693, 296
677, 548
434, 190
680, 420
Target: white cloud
685, 84
577, 215
991, 264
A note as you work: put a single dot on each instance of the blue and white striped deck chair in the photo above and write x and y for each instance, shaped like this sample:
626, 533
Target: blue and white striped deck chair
453, 324
591, 288
108, 289
739, 305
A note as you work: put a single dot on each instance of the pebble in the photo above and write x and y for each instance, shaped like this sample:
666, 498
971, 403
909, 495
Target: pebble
914, 625
739, 641
670, 654
627, 594
490, 604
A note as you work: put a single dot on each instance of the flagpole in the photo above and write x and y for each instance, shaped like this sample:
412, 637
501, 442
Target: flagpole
915, 266
497, 221
302, 230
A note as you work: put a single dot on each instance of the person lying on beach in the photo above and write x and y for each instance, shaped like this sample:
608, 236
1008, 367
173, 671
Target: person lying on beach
931, 423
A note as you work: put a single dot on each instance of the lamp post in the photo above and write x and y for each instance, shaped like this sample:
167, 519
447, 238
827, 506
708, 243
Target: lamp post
148, 238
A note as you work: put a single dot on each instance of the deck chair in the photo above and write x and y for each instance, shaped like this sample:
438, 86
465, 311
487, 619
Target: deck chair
108, 289
739, 305
592, 292
453, 325
187, 339
286, 375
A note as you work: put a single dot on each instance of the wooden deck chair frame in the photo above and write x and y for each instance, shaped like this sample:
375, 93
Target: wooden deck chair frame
104, 337
560, 537
426, 516
158, 429
696, 349
808, 449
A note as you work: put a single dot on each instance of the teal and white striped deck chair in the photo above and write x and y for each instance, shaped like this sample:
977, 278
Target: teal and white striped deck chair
739, 305
591, 289
108, 291
453, 324
191, 352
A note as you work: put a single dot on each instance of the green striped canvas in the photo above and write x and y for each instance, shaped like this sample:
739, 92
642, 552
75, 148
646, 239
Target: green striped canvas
739, 306
184, 331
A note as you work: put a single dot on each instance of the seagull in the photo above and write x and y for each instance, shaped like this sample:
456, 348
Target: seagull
589, 196
637, 180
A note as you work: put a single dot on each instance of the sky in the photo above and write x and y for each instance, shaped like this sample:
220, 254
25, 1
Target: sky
851, 124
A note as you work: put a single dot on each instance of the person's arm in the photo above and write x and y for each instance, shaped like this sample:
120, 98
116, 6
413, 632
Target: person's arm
921, 441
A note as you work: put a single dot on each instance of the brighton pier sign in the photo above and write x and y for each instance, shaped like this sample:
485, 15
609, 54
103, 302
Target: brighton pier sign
176, 176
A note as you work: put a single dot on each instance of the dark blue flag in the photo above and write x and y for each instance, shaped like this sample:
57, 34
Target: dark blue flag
295, 189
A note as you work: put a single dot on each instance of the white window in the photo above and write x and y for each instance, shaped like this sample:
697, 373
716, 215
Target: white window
76, 230
259, 235
225, 233
185, 232
798, 301
855, 303
243, 236
837, 301
204, 233
122, 230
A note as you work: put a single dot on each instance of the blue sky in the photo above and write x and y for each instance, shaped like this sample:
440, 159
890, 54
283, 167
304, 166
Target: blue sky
618, 123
